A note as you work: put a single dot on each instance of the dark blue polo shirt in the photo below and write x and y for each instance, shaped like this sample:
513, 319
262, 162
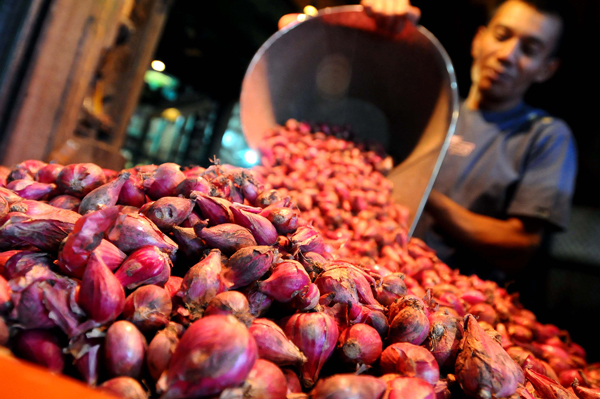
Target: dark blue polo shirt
520, 162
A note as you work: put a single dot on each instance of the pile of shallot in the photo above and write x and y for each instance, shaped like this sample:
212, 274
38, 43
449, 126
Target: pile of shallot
292, 280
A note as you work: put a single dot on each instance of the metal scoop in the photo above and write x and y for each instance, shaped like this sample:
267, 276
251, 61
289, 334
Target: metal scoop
339, 69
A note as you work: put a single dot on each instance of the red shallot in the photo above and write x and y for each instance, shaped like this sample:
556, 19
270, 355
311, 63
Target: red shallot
148, 307
286, 281
360, 345
215, 352
80, 179
147, 265
273, 345
483, 368
124, 388
349, 386
41, 347
316, 335
124, 350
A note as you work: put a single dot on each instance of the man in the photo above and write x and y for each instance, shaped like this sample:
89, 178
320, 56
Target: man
508, 176
509, 173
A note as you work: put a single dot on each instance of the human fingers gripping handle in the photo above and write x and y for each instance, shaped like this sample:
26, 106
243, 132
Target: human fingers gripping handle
391, 15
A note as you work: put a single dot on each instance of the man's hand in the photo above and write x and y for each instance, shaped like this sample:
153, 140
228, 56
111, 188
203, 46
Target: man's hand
288, 19
391, 15
508, 244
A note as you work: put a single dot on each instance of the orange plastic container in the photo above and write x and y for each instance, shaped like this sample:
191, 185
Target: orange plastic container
24, 380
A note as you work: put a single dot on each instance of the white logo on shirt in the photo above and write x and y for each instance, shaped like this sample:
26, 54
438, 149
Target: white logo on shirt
460, 147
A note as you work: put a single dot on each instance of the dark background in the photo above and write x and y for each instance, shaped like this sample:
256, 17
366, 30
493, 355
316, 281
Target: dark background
208, 46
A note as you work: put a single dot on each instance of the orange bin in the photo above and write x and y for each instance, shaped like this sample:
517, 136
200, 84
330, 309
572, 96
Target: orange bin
24, 380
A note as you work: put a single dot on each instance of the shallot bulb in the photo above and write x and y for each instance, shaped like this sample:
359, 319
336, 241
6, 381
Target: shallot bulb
483, 368
230, 303
124, 349
192, 183
583, 392
105, 195
5, 303
410, 360
265, 381
286, 281
410, 323
80, 179
259, 303
202, 282
216, 210
316, 335
86, 237
360, 344
392, 287
161, 349
293, 382
215, 353
41, 347
48, 173
484, 312
148, 307
410, 387
147, 265
284, 219
168, 212
345, 386
132, 193
445, 334
247, 265
273, 345
131, 232
227, 237
261, 228
4, 332
546, 387
124, 387
163, 181
101, 295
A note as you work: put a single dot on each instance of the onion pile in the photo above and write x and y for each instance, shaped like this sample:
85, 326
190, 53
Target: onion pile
295, 278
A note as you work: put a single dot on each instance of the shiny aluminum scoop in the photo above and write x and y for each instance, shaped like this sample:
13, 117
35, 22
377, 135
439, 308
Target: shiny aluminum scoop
339, 69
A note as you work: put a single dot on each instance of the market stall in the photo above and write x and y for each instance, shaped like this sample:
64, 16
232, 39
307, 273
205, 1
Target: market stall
296, 278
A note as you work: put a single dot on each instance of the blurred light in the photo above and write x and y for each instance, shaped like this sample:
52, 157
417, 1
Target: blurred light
311, 11
229, 139
158, 80
301, 17
251, 157
171, 114
158, 65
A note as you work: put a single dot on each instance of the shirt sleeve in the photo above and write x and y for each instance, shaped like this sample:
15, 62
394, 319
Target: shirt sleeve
549, 172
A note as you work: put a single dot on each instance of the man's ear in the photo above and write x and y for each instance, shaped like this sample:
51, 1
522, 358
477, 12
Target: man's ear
476, 43
548, 70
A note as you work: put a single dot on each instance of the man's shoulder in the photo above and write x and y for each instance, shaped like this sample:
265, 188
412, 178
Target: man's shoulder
543, 125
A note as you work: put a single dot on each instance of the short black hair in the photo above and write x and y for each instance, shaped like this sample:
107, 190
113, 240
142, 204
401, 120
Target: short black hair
555, 8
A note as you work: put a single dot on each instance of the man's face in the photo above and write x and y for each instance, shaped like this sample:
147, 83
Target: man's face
513, 52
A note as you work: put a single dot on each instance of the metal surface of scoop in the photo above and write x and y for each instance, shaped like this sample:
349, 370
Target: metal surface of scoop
337, 68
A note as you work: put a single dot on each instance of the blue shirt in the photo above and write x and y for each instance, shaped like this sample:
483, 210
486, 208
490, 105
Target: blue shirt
520, 162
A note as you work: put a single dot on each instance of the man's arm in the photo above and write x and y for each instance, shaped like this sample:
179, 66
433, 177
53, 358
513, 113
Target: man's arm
508, 244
